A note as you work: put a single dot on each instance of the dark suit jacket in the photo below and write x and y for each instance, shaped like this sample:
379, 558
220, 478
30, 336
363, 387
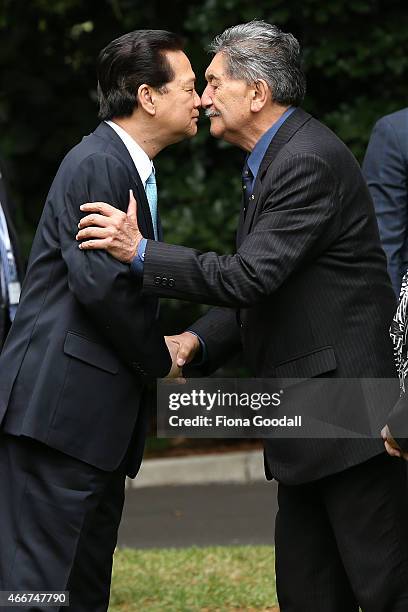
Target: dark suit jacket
9, 214
308, 281
385, 168
84, 340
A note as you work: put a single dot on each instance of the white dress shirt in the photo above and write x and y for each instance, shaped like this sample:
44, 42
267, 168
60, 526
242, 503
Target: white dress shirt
143, 163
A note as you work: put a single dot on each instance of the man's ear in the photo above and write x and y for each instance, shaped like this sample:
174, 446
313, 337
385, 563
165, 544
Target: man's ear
146, 98
260, 95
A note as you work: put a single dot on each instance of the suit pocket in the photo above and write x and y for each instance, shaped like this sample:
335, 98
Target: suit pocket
313, 364
90, 352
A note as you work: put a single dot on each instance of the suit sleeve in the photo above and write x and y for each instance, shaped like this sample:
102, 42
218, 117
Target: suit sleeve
219, 330
105, 287
386, 175
296, 222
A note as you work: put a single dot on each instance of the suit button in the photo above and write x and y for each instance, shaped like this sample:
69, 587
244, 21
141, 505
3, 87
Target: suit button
157, 280
138, 368
164, 281
171, 282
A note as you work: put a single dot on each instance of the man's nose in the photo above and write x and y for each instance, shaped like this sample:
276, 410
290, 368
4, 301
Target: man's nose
197, 100
206, 100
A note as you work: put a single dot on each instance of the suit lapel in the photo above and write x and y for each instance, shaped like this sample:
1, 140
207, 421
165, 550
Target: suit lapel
241, 221
292, 124
144, 218
159, 228
143, 210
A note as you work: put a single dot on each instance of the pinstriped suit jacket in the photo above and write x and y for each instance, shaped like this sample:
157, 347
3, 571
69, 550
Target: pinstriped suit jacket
308, 281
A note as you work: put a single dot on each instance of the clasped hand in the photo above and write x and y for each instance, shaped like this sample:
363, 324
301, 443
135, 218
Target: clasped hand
391, 446
182, 348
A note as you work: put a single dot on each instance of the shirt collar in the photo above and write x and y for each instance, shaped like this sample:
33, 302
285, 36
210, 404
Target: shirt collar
257, 154
143, 163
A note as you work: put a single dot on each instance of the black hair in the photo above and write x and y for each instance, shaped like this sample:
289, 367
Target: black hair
129, 61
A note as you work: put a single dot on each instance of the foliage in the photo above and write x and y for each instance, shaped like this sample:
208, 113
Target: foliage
194, 579
355, 57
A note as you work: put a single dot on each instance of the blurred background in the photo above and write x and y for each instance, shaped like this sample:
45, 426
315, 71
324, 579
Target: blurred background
356, 61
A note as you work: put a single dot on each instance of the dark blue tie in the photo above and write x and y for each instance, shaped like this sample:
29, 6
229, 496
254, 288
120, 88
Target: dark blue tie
247, 179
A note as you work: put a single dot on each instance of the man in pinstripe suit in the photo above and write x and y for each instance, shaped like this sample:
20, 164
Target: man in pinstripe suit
307, 295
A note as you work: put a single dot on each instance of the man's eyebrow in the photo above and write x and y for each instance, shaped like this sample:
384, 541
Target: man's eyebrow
211, 77
189, 81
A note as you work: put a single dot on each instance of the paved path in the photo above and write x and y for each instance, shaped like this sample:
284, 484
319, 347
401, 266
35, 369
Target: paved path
203, 515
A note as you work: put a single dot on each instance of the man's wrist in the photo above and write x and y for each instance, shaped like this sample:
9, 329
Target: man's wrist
201, 354
136, 265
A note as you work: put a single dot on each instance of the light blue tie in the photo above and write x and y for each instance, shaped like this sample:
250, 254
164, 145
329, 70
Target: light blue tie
151, 194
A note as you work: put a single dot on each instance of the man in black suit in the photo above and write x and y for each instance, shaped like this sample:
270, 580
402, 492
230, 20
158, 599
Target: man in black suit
85, 341
307, 295
11, 268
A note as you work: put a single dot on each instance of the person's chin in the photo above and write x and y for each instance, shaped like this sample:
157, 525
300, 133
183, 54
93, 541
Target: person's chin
192, 131
216, 129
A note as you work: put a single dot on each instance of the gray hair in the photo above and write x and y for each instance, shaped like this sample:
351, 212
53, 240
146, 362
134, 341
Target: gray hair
258, 50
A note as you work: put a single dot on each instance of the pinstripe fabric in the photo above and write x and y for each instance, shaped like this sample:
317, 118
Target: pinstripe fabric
309, 274
220, 324
341, 541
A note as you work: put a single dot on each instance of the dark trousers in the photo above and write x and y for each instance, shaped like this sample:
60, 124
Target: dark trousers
342, 542
59, 519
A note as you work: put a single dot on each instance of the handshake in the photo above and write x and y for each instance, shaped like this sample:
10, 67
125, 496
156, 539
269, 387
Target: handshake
182, 348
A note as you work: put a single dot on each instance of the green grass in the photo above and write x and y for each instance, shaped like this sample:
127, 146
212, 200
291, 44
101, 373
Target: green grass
194, 579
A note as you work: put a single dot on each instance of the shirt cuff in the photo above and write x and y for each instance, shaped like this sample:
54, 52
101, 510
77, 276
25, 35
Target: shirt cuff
137, 264
202, 356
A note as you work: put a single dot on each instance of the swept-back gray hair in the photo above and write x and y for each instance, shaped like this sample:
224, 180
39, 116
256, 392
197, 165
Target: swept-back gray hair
258, 50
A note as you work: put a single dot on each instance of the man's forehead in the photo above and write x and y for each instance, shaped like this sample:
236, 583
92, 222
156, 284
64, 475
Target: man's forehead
216, 69
183, 72
180, 63
187, 80
188, 77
